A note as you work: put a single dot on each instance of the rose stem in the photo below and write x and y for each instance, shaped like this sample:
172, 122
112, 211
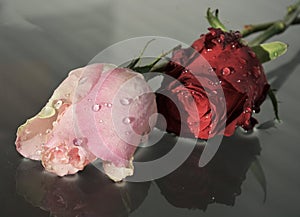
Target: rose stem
279, 26
249, 29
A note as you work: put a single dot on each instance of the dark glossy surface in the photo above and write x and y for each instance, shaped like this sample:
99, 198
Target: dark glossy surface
39, 45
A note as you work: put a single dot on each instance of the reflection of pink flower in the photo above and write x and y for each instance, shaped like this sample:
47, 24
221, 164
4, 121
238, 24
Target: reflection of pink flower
97, 111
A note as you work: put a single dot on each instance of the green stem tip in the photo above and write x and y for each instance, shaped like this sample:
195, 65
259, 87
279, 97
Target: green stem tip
214, 20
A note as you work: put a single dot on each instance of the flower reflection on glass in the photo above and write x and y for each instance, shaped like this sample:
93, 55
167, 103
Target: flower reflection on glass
89, 194
191, 186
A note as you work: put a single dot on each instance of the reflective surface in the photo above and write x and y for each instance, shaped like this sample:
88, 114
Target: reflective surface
39, 46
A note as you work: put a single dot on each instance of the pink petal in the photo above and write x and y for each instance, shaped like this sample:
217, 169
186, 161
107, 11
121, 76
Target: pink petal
98, 110
125, 104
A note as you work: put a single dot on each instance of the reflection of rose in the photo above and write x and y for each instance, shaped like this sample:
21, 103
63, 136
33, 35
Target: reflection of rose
240, 77
88, 194
191, 186
97, 111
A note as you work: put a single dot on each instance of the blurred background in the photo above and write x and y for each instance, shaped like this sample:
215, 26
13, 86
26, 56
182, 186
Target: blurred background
41, 41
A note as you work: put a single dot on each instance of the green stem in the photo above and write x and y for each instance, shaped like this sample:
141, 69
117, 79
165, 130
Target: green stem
279, 26
250, 29
214, 20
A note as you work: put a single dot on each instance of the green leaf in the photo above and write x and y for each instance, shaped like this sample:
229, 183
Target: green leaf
274, 103
259, 174
269, 51
214, 20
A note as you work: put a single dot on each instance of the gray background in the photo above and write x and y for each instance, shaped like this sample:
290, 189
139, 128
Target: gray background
40, 41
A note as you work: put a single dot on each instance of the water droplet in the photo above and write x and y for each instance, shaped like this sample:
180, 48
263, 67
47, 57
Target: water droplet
128, 120
211, 70
67, 95
54, 124
27, 131
82, 80
275, 54
101, 121
248, 110
108, 104
48, 131
238, 81
256, 71
233, 46
252, 54
58, 104
227, 71
215, 92
125, 101
209, 50
78, 141
96, 107
185, 71
206, 116
256, 110
243, 61
222, 37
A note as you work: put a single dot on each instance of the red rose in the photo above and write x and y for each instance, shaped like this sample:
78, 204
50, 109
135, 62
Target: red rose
226, 81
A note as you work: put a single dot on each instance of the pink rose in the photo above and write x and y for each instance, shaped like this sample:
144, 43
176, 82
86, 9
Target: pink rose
99, 111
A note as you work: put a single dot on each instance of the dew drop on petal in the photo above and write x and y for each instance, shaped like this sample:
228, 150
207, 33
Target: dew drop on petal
209, 50
248, 110
54, 124
125, 101
77, 141
128, 120
83, 80
238, 81
96, 107
243, 61
252, 54
101, 121
109, 105
58, 104
48, 131
227, 71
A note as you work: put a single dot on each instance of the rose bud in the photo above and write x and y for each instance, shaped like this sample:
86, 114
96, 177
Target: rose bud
98, 111
225, 80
